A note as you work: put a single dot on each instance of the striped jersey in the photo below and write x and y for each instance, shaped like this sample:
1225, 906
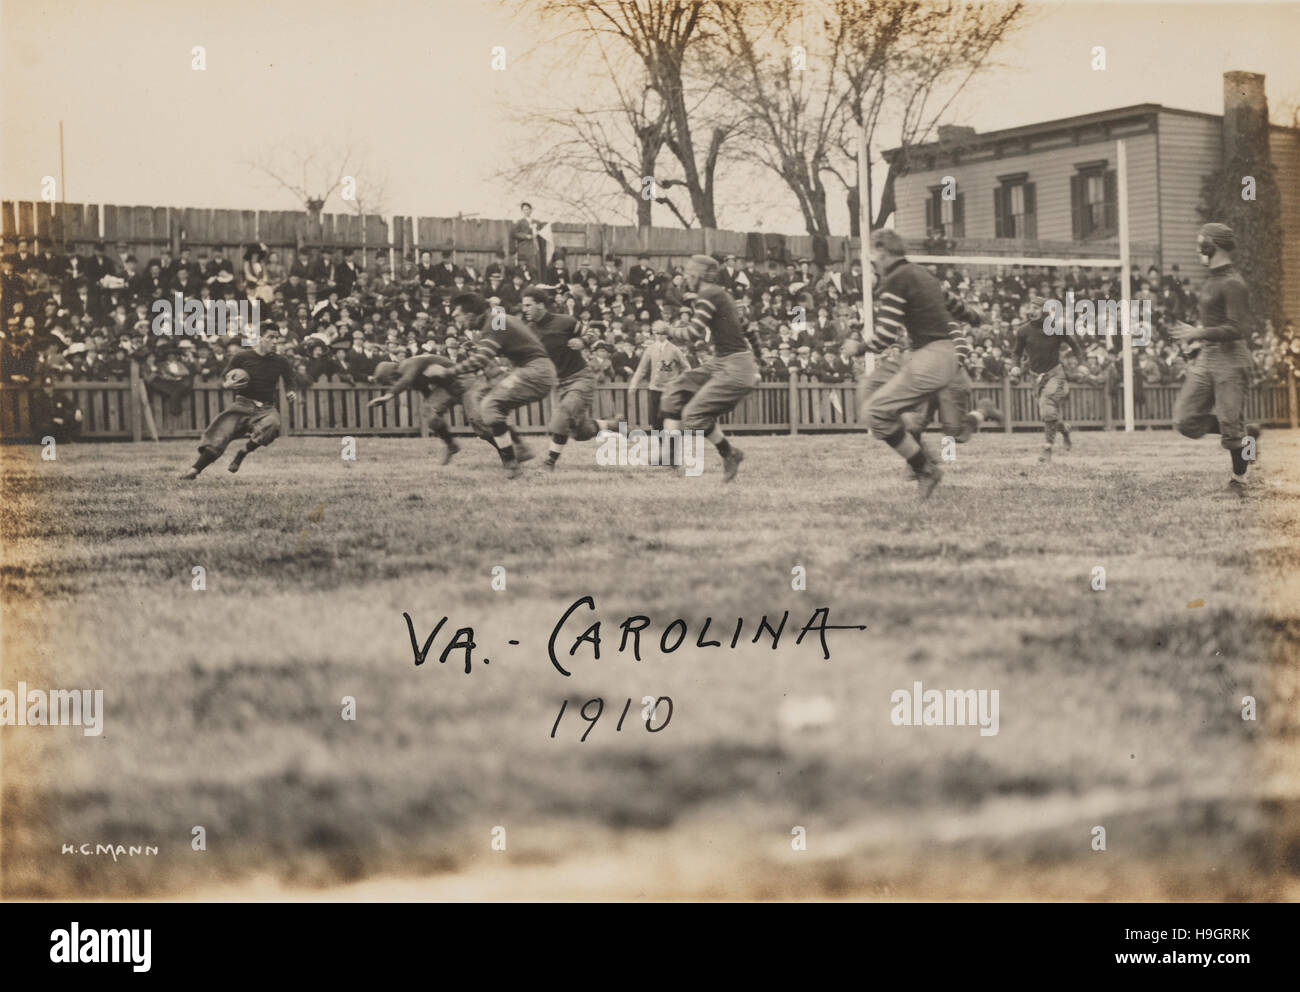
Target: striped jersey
501, 336
913, 302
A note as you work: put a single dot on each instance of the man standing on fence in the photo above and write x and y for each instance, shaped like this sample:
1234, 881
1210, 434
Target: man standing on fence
575, 389
696, 399
1213, 398
1051, 385
253, 414
440, 395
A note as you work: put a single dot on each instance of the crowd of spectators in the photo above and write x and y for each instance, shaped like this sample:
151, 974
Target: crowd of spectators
88, 317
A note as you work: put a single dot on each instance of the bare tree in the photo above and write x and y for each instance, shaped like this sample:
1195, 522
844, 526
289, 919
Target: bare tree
664, 37
811, 75
313, 174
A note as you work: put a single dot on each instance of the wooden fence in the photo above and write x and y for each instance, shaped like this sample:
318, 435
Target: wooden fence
147, 230
113, 410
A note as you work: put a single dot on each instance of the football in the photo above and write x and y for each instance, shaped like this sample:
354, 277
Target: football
236, 380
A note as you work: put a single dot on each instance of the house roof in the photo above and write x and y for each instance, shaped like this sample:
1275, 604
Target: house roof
986, 139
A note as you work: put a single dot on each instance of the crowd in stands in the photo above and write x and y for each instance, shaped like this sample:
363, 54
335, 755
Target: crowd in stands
89, 316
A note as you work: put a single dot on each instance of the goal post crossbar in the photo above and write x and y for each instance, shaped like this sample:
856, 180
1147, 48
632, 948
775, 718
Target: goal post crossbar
1099, 263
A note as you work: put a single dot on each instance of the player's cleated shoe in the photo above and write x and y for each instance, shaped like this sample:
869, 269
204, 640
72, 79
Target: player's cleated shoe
928, 478
1236, 488
548, 466
1065, 436
990, 413
189, 473
513, 471
730, 463
236, 461
1046, 455
448, 453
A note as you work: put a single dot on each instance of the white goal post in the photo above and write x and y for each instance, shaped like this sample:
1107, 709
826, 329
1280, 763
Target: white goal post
1122, 263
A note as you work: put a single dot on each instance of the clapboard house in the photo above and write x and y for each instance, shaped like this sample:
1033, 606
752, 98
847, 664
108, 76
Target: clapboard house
1052, 188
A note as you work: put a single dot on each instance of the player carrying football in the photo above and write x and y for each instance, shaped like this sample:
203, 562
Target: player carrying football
576, 386
1044, 352
695, 399
252, 374
1213, 398
532, 378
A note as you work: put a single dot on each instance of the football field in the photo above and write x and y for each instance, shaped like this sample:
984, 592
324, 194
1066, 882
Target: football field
779, 774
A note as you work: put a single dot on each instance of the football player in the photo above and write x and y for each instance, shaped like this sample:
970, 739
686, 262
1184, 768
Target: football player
695, 399
1044, 353
440, 394
532, 378
1213, 398
252, 374
575, 389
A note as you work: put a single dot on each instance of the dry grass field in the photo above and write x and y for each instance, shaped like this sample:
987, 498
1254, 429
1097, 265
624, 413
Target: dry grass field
1119, 708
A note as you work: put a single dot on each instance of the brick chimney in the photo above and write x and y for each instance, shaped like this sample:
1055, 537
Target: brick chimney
1245, 115
951, 135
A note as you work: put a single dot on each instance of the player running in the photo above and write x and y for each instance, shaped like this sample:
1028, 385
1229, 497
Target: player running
912, 301
532, 378
575, 389
439, 396
695, 399
1213, 398
1052, 387
253, 374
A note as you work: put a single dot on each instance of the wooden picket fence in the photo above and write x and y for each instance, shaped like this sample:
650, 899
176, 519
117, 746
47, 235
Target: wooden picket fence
115, 410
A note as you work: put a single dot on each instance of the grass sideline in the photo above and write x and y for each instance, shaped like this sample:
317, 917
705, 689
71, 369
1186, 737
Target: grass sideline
1119, 708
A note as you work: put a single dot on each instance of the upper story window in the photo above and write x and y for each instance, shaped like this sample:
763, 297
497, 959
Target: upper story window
1015, 207
945, 216
1094, 201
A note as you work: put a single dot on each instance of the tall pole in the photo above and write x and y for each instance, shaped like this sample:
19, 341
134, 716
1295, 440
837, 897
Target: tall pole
63, 181
1126, 317
864, 227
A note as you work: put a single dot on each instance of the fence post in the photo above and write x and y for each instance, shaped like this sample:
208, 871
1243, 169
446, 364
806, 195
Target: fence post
1006, 404
1105, 400
794, 403
1291, 399
284, 408
417, 409
133, 403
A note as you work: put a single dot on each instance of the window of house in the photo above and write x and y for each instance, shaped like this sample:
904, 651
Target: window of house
944, 216
1015, 208
1094, 201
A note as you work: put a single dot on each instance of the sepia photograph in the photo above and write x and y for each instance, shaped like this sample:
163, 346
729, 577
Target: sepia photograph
650, 451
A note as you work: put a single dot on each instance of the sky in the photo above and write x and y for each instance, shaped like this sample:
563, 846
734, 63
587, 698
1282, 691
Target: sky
408, 86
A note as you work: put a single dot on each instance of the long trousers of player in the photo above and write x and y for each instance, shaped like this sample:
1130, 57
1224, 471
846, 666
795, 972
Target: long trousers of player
696, 399
952, 403
923, 374
1053, 388
571, 412
525, 384
467, 390
1213, 397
